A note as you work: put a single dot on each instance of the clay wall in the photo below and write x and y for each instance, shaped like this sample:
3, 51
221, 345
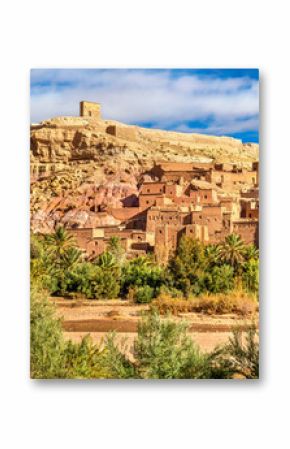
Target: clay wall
184, 166
231, 180
138, 236
157, 217
85, 240
248, 230
166, 238
141, 247
249, 209
175, 176
224, 167
184, 200
163, 201
231, 206
116, 232
227, 204
89, 109
124, 213
251, 193
173, 172
146, 201
122, 132
82, 235
203, 196
152, 188
212, 217
173, 190
95, 247
196, 231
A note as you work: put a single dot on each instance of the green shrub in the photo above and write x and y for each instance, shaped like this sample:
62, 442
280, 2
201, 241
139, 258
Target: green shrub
140, 272
163, 350
251, 275
220, 279
187, 268
46, 340
58, 266
144, 295
239, 358
51, 357
115, 361
94, 281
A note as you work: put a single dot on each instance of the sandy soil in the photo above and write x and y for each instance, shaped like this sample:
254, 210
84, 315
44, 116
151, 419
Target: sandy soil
206, 340
98, 318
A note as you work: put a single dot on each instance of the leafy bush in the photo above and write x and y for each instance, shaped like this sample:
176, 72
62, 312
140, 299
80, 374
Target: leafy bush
170, 291
51, 357
251, 275
238, 359
52, 258
220, 279
196, 269
144, 295
163, 350
46, 340
114, 360
140, 272
187, 267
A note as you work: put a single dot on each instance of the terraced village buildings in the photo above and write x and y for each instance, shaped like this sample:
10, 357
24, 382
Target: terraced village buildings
202, 200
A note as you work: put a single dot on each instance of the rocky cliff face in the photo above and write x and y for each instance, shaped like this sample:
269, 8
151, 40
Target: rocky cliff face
81, 165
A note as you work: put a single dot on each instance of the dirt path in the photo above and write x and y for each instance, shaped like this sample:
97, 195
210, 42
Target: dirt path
98, 318
207, 341
108, 325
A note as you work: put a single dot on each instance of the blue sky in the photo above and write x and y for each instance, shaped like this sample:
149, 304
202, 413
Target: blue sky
208, 101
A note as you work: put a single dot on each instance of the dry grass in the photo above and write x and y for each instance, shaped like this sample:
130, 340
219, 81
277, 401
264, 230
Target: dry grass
239, 303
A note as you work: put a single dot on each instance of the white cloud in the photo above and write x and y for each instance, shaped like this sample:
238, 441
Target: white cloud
140, 96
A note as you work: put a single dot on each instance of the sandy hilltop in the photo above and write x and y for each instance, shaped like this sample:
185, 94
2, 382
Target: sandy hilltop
72, 156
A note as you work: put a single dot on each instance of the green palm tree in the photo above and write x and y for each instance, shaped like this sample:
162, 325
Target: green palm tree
72, 257
232, 250
212, 255
113, 243
251, 252
116, 249
142, 262
107, 260
60, 241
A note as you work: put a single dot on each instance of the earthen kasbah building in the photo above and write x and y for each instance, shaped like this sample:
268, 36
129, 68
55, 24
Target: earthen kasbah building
205, 201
